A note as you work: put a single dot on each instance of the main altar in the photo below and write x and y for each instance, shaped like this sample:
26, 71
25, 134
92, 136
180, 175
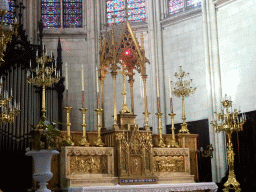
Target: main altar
126, 154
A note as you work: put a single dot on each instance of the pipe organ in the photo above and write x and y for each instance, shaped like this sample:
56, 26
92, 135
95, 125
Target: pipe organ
14, 137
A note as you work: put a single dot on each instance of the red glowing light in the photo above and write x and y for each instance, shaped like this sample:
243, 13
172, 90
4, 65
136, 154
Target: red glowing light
127, 52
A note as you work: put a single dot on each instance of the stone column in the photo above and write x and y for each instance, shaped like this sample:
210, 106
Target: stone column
219, 160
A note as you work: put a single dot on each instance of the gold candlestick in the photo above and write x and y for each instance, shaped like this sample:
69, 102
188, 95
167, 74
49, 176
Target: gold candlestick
161, 142
183, 89
67, 109
84, 142
228, 122
173, 141
144, 77
99, 141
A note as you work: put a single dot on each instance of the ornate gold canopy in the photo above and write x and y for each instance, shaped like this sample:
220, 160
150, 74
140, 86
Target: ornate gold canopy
119, 47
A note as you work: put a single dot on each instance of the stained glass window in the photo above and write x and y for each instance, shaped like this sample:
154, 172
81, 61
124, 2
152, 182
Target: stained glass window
68, 12
193, 3
72, 13
10, 15
51, 13
136, 11
176, 6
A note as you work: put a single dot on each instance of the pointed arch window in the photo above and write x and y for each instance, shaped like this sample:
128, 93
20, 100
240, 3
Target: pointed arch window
177, 6
136, 11
61, 13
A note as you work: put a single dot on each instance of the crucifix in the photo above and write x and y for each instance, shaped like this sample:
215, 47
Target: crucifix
21, 7
125, 109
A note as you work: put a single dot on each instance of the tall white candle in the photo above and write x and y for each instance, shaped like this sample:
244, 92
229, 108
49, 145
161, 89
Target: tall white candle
82, 77
170, 88
66, 76
97, 82
157, 85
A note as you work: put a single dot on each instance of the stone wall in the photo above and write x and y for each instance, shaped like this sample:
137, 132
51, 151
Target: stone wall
183, 45
237, 49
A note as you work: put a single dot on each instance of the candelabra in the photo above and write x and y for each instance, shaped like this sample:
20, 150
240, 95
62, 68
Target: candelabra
6, 32
173, 142
228, 122
183, 89
42, 76
9, 109
84, 142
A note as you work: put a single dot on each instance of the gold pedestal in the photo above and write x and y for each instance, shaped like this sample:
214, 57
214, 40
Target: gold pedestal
231, 183
125, 120
184, 128
99, 141
84, 142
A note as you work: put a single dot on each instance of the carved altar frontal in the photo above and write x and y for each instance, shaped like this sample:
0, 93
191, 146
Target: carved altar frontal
172, 165
87, 166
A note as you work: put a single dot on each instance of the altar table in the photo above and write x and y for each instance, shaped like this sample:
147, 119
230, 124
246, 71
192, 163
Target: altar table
208, 186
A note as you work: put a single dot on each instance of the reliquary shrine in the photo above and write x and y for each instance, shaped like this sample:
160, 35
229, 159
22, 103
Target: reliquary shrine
125, 154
